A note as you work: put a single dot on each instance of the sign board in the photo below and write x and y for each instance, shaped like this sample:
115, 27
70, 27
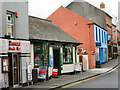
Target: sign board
80, 50
42, 72
5, 65
14, 45
78, 66
55, 72
98, 44
29, 71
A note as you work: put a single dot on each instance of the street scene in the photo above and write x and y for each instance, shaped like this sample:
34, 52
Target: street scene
69, 44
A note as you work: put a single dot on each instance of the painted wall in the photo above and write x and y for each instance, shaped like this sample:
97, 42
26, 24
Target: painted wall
77, 27
101, 37
88, 11
25, 48
21, 23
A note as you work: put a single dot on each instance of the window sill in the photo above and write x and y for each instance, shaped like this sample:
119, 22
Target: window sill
68, 63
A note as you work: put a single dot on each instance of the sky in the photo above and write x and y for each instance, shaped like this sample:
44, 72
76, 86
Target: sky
44, 8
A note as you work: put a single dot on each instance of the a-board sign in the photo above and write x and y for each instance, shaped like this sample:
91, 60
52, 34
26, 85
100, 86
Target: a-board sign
55, 72
78, 66
42, 72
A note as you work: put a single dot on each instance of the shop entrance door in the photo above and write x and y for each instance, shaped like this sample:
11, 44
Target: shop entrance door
57, 61
14, 70
97, 53
105, 54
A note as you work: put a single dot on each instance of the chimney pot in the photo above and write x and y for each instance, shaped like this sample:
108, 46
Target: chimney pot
102, 5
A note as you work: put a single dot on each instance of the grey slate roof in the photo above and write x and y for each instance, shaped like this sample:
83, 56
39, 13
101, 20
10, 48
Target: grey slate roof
42, 29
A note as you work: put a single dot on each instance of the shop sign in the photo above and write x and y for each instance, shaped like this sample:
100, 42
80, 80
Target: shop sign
98, 44
42, 72
78, 66
14, 46
55, 72
80, 51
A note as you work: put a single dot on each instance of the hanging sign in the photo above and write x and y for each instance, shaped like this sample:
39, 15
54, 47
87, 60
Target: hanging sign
42, 72
80, 50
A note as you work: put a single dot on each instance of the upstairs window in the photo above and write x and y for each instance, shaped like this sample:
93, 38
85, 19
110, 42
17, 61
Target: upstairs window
105, 37
96, 34
99, 35
10, 23
102, 37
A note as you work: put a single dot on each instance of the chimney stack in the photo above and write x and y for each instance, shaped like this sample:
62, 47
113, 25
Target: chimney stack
102, 5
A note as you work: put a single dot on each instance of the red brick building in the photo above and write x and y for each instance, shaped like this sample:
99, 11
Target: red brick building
79, 27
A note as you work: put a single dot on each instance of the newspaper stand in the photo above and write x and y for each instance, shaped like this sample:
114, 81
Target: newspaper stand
55, 72
42, 73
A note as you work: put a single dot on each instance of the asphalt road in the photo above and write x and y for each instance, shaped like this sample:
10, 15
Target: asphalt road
109, 80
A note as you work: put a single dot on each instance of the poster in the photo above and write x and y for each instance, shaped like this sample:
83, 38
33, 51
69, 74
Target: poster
29, 71
42, 72
51, 60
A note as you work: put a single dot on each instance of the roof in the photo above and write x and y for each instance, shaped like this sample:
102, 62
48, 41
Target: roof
42, 29
88, 11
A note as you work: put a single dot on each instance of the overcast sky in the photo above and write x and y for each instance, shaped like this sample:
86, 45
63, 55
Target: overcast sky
44, 8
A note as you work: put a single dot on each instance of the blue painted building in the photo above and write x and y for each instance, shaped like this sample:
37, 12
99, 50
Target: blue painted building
101, 50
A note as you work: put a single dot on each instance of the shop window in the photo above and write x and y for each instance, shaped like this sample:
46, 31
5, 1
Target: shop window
68, 55
40, 55
10, 23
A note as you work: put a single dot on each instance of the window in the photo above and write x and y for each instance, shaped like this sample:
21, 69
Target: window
68, 55
40, 55
99, 35
105, 37
10, 23
102, 36
96, 34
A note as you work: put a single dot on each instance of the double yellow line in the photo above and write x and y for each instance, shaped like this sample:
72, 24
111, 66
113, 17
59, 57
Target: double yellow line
72, 84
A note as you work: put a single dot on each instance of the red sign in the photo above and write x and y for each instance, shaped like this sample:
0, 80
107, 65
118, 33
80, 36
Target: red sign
42, 71
55, 72
80, 50
14, 45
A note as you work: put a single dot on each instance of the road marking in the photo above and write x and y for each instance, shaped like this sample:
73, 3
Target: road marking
72, 84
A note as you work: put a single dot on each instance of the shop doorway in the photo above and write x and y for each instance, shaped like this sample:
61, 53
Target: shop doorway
105, 55
14, 70
57, 60
97, 50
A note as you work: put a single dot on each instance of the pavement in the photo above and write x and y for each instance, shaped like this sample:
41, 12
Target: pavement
68, 78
